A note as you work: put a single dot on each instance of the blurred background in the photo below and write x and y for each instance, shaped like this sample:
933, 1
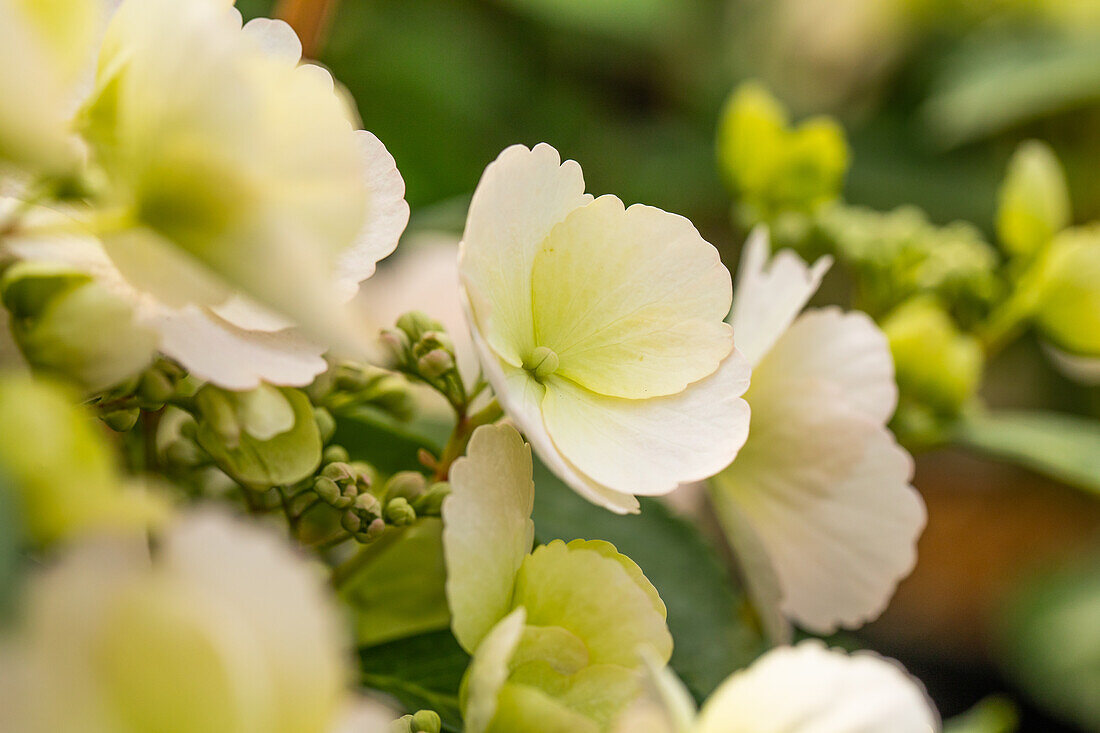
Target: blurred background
934, 96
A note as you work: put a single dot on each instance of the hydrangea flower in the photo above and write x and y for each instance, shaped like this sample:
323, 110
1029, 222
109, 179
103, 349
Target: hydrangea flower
230, 167
797, 689
600, 328
295, 178
554, 633
223, 630
818, 504
46, 46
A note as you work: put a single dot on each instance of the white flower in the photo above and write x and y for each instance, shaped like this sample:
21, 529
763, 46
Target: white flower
802, 689
818, 504
230, 167
44, 50
224, 630
600, 329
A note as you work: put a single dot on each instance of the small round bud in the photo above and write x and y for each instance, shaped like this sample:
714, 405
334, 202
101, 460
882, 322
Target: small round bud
335, 454
338, 471
326, 423
1068, 311
406, 484
426, 721
155, 388
404, 724
431, 503
415, 324
328, 491
351, 522
375, 530
122, 421
435, 363
368, 504
397, 344
399, 512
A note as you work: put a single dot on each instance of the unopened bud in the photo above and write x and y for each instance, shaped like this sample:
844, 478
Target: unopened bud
408, 485
426, 721
435, 363
415, 324
184, 453
404, 724
155, 388
329, 492
338, 471
351, 522
326, 423
220, 414
399, 512
368, 504
397, 344
122, 421
374, 530
335, 454
431, 503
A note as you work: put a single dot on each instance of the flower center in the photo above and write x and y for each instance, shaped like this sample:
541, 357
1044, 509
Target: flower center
541, 363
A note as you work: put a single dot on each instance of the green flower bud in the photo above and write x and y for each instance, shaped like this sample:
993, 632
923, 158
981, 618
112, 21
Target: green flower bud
184, 453
416, 324
351, 522
404, 724
431, 503
1068, 309
399, 512
1033, 201
335, 454
326, 423
435, 363
427, 721
936, 364
330, 493
71, 326
368, 504
338, 471
397, 344
155, 388
773, 167
405, 484
219, 414
122, 421
374, 530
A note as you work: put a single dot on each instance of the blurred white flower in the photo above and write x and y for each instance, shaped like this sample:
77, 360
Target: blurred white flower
600, 329
45, 48
223, 630
230, 167
818, 504
801, 689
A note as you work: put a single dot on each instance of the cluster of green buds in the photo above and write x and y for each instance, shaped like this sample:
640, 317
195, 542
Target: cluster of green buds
420, 348
423, 721
780, 173
349, 384
345, 486
122, 405
59, 317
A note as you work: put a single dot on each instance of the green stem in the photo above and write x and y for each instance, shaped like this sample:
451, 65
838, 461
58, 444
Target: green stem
460, 436
345, 571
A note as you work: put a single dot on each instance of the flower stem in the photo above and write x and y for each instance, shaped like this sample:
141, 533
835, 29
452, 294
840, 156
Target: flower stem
460, 436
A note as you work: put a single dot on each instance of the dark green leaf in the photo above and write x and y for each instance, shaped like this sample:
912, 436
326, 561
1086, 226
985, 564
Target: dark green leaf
1065, 447
706, 610
387, 444
422, 672
1048, 641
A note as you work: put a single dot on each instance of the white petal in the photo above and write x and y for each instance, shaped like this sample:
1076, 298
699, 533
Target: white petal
249, 315
277, 39
488, 671
487, 530
827, 492
1083, 369
387, 214
632, 300
520, 396
217, 351
650, 447
520, 197
847, 349
769, 295
811, 689
284, 600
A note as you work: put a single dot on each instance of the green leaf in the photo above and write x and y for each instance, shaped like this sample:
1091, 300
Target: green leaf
1064, 447
422, 672
284, 459
400, 593
706, 609
1048, 641
991, 715
388, 444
